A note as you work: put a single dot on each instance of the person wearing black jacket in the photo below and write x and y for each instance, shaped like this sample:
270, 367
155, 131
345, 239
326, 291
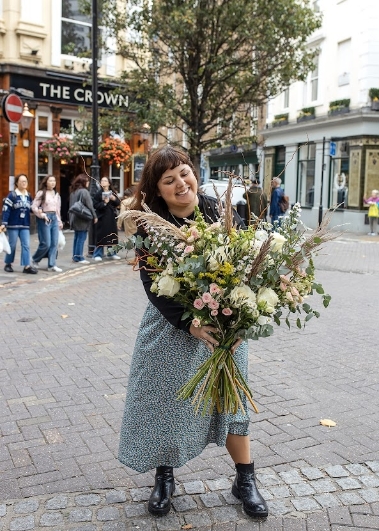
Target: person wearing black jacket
105, 202
158, 431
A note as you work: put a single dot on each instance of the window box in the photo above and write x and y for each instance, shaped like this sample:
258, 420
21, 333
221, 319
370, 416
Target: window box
305, 118
375, 105
278, 123
339, 107
280, 119
341, 110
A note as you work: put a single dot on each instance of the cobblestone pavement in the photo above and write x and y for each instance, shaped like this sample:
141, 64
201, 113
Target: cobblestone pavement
66, 346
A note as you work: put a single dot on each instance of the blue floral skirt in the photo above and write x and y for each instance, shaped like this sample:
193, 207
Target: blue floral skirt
157, 429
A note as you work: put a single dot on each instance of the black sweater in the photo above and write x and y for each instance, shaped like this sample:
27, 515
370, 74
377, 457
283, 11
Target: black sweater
170, 309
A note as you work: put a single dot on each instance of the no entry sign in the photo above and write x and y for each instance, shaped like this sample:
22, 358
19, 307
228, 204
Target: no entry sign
12, 108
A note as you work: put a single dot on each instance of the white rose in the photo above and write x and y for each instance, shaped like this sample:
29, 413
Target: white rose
261, 235
212, 264
268, 299
277, 242
255, 245
168, 286
242, 295
263, 320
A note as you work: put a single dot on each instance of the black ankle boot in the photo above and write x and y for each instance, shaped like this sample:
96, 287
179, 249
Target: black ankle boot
164, 488
245, 489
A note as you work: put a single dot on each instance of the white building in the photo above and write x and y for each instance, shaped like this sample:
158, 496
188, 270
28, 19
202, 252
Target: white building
322, 135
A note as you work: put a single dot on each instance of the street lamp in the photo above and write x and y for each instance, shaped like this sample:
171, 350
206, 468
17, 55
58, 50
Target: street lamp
26, 122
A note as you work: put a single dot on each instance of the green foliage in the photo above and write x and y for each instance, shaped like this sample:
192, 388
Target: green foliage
374, 94
281, 117
201, 66
307, 111
339, 104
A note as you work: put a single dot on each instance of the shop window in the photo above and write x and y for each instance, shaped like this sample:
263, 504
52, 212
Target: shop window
280, 163
76, 30
339, 182
306, 175
116, 174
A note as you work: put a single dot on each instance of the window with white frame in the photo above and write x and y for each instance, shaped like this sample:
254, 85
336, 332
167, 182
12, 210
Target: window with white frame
43, 165
314, 80
76, 30
286, 98
344, 61
116, 174
44, 123
306, 174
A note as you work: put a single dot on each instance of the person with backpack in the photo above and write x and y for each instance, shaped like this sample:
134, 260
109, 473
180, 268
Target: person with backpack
16, 220
279, 202
47, 208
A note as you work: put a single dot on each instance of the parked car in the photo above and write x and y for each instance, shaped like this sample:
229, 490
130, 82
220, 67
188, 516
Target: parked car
221, 186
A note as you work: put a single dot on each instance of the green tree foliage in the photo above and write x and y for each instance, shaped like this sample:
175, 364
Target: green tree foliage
201, 65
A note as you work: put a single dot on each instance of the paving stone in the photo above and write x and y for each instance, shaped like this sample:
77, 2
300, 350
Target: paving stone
194, 487
226, 526
340, 515
198, 519
106, 514
184, 503
86, 500
230, 498
305, 504
366, 521
80, 515
290, 477
311, 472
323, 485
247, 525
85, 527
3, 509
277, 507
348, 483
58, 502
114, 526
369, 495
350, 498
26, 507
142, 494
135, 509
318, 522
280, 492
168, 523
218, 484
336, 471
356, 469
224, 514
369, 481
373, 465
211, 499
115, 496
294, 524
302, 489
142, 524
267, 480
23, 523
327, 500
51, 519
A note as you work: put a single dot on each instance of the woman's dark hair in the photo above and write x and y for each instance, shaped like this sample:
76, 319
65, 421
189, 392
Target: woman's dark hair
111, 188
17, 178
80, 181
43, 187
165, 158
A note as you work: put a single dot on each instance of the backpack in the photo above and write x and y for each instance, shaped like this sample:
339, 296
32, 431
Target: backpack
284, 203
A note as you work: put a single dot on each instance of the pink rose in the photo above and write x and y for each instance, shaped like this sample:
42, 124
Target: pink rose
194, 233
189, 249
227, 311
198, 303
213, 305
214, 312
196, 322
214, 288
207, 297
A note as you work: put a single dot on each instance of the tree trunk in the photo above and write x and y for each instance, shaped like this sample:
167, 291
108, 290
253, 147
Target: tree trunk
195, 157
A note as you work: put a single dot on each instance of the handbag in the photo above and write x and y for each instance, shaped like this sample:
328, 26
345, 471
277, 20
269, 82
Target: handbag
4, 244
80, 210
61, 240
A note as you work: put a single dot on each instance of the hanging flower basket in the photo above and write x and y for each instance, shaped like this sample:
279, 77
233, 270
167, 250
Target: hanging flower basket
115, 151
60, 147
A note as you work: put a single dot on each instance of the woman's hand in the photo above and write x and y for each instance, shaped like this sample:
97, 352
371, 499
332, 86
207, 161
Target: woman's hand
106, 200
204, 333
236, 345
95, 220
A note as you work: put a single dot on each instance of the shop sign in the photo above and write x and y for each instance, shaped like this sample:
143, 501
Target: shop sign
70, 92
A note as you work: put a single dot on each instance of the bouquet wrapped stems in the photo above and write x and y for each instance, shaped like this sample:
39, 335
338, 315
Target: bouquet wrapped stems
218, 383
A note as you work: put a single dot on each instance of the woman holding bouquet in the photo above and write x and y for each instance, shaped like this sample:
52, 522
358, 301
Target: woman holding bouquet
158, 430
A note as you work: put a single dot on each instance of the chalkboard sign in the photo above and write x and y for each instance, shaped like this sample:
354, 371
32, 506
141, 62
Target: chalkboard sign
138, 163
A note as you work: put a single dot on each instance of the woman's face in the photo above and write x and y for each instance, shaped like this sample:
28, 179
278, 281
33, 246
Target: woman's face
178, 187
51, 183
104, 183
22, 183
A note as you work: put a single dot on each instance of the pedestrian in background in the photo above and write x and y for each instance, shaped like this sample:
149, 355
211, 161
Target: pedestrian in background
158, 431
79, 192
16, 219
257, 201
105, 203
373, 211
276, 196
127, 224
47, 208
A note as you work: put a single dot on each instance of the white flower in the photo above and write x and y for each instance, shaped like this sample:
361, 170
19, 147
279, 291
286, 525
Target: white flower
263, 320
261, 235
268, 299
167, 286
243, 295
277, 242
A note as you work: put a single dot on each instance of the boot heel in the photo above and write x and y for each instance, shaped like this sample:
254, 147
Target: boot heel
235, 492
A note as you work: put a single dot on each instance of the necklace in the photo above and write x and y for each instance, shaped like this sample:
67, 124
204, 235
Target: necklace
176, 220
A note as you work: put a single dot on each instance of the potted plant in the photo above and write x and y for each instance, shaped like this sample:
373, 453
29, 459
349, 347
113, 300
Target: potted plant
60, 147
115, 151
280, 119
307, 113
339, 107
374, 96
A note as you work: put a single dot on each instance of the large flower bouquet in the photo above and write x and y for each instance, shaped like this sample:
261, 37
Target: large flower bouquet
60, 147
115, 151
241, 281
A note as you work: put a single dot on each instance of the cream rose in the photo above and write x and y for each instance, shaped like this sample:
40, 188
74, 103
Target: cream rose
267, 299
277, 242
167, 286
243, 295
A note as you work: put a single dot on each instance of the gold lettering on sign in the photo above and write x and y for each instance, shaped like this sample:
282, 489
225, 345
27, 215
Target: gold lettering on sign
355, 177
371, 171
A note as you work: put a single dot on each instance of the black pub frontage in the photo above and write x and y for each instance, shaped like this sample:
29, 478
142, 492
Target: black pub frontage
56, 100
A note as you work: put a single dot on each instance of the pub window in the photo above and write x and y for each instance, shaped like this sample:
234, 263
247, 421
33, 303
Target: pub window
44, 124
65, 126
76, 30
116, 174
306, 175
44, 165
